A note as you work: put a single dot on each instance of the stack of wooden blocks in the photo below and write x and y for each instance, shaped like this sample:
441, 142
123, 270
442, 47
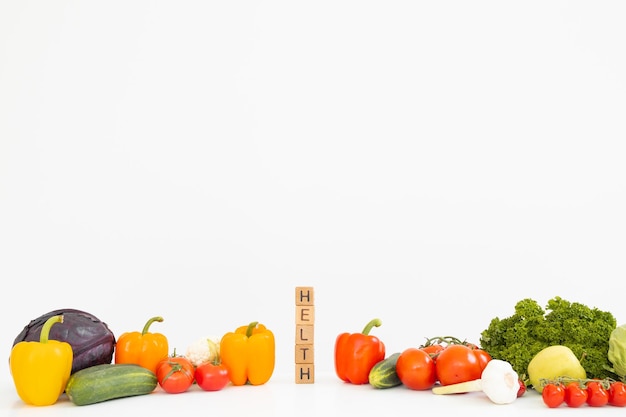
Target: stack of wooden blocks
305, 322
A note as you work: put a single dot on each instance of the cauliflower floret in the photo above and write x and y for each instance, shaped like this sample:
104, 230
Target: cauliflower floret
203, 350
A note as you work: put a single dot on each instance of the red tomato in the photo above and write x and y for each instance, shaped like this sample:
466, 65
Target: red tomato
617, 394
416, 369
575, 395
522, 388
483, 358
598, 396
211, 377
175, 374
432, 350
553, 395
457, 363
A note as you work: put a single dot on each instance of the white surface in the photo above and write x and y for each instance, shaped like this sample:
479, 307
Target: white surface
198, 161
328, 396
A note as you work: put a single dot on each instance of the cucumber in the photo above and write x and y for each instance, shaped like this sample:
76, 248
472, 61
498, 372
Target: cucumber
109, 381
383, 374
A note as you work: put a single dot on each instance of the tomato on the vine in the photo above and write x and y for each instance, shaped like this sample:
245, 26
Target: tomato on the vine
553, 395
598, 396
617, 394
175, 374
416, 369
575, 394
211, 376
457, 363
432, 350
483, 357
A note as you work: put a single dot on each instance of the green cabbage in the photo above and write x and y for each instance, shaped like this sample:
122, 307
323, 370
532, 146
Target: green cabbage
617, 350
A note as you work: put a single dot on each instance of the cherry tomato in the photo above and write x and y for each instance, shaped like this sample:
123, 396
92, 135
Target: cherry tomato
175, 374
211, 377
457, 363
553, 395
575, 395
522, 388
416, 369
598, 396
617, 394
483, 358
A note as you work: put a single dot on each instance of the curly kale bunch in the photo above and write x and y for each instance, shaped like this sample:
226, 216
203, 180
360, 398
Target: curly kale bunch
518, 338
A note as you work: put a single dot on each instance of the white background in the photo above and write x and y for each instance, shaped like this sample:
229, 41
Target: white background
427, 163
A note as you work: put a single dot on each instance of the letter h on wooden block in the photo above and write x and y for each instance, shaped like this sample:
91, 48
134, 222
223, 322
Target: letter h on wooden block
305, 373
304, 296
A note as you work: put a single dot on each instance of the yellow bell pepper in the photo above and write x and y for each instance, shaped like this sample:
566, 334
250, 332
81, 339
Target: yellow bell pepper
249, 354
40, 370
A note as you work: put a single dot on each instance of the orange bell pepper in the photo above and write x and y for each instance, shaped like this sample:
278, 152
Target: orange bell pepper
144, 349
249, 354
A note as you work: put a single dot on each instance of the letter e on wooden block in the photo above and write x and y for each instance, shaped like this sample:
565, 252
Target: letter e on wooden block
305, 315
304, 354
304, 296
305, 373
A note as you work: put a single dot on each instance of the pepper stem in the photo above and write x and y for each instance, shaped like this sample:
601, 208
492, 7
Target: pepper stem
250, 328
45, 330
370, 325
152, 320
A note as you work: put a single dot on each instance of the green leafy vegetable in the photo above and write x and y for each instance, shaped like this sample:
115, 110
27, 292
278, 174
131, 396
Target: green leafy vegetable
617, 351
585, 330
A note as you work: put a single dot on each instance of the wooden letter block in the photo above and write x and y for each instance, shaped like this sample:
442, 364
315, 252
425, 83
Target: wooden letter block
305, 325
304, 354
305, 373
304, 296
305, 315
304, 334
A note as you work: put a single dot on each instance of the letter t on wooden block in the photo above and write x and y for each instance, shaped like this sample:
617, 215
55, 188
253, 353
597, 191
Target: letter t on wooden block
304, 346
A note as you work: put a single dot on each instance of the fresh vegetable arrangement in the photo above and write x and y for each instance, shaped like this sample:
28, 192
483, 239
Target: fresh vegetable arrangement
448, 365
572, 355
519, 337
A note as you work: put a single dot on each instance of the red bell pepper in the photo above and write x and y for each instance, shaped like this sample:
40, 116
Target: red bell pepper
357, 353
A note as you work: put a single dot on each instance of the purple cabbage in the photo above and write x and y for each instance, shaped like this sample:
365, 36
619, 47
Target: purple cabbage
91, 339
